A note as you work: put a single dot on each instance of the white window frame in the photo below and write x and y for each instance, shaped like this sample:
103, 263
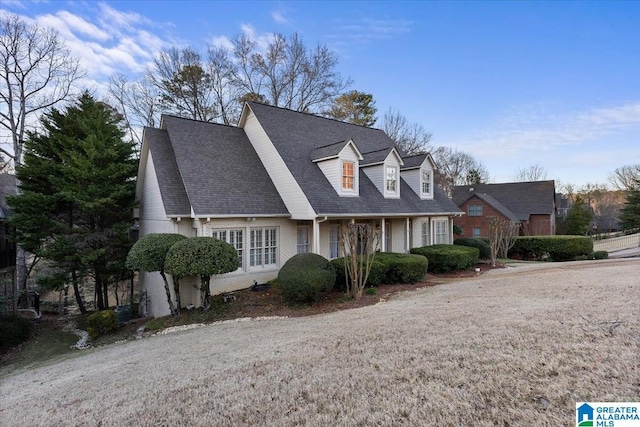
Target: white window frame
304, 246
478, 230
334, 241
441, 231
343, 176
425, 233
477, 210
389, 179
426, 181
230, 235
263, 247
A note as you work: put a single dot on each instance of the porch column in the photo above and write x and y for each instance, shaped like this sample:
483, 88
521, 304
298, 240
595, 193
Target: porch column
406, 235
383, 236
316, 237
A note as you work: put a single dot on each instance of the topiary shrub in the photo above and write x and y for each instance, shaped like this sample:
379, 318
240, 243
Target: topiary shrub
446, 258
600, 255
13, 330
481, 244
101, 323
556, 248
305, 277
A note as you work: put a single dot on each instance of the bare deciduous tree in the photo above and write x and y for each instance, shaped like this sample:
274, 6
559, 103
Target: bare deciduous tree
531, 173
36, 73
502, 236
456, 167
412, 138
626, 177
359, 243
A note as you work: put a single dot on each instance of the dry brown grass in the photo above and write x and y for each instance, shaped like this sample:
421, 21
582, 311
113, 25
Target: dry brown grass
513, 347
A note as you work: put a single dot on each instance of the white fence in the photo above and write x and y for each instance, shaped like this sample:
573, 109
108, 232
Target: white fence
617, 243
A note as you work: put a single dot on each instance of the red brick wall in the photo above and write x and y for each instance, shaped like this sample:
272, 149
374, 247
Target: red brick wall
468, 223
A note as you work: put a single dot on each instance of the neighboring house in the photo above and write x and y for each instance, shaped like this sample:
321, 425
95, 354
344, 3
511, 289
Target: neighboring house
282, 183
531, 204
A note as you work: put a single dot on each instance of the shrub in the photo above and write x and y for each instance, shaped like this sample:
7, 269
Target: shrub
305, 277
600, 255
387, 267
101, 323
557, 248
13, 330
445, 258
370, 291
481, 244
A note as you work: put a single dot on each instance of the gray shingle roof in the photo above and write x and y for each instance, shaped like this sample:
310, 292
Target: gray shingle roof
296, 135
414, 161
521, 198
221, 173
174, 195
328, 151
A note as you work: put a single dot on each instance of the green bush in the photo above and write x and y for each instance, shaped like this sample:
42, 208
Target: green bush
446, 258
600, 255
101, 323
481, 244
387, 267
13, 330
556, 248
305, 277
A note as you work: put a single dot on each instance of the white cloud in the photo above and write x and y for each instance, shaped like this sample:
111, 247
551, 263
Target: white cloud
78, 25
279, 17
369, 29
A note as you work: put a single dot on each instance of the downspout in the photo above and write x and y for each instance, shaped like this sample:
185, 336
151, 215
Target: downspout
316, 234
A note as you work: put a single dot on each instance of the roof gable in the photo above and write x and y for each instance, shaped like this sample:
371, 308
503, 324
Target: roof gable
521, 198
220, 170
381, 156
417, 161
332, 151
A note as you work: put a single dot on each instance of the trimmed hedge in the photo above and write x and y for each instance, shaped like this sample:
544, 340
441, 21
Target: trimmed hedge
556, 248
13, 330
481, 244
388, 268
446, 258
305, 277
600, 255
101, 323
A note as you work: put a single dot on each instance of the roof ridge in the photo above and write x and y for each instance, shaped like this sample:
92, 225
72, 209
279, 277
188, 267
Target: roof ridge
315, 115
173, 116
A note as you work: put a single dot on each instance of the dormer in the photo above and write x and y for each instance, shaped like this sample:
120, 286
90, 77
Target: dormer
418, 171
340, 163
382, 167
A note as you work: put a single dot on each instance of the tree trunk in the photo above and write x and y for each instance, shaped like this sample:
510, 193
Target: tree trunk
76, 290
176, 289
98, 292
105, 290
168, 291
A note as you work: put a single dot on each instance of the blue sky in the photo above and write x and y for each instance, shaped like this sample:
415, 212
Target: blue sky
555, 84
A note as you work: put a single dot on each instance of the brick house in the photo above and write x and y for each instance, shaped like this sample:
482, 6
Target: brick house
531, 204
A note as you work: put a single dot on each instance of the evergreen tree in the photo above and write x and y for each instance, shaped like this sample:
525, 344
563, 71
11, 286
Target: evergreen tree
630, 213
77, 186
579, 218
354, 107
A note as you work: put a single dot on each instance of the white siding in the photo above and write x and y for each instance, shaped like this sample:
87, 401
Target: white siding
412, 178
376, 175
331, 170
290, 192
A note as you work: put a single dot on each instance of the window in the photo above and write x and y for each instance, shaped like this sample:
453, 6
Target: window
334, 242
441, 231
474, 210
425, 233
426, 182
235, 238
388, 238
303, 239
263, 247
348, 176
391, 178
476, 231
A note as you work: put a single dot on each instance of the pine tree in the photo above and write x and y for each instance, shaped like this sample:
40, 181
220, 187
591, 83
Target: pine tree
77, 185
630, 213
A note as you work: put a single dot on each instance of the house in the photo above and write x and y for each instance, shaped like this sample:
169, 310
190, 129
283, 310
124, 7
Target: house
278, 184
531, 204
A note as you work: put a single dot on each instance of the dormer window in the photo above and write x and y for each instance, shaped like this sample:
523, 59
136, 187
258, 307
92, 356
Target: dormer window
391, 179
426, 182
348, 176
